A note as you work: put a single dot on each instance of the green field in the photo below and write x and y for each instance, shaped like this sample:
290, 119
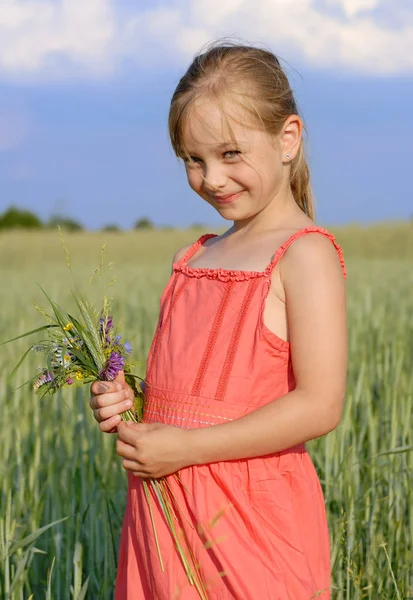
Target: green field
55, 463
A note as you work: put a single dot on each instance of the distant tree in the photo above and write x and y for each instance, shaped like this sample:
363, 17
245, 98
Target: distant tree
144, 223
197, 226
111, 227
15, 218
65, 223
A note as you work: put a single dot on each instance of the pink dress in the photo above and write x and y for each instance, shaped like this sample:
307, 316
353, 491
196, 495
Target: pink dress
213, 360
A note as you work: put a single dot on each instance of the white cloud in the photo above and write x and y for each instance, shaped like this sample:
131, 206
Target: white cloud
49, 39
36, 35
353, 7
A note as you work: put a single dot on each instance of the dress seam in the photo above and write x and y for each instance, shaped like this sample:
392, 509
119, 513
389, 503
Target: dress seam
163, 327
211, 341
233, 345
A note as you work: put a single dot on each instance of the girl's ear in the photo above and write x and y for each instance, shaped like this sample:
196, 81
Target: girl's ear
291, 137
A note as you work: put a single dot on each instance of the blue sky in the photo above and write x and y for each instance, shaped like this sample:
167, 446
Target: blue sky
85, 91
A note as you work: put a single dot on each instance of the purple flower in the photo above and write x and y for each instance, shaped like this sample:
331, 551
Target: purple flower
115, 364
44, 377
108, 322
70, 381
126, 347
109, 325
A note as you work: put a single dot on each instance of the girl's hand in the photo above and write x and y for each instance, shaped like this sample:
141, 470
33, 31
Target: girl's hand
108, 399
152, 449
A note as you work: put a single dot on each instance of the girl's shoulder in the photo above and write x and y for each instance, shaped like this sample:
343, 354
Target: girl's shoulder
311, 248
179, 254
183, 253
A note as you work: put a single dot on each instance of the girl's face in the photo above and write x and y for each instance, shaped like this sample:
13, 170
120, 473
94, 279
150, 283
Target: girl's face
237, 169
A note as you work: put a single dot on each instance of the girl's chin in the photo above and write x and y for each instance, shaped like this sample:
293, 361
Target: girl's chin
231, 213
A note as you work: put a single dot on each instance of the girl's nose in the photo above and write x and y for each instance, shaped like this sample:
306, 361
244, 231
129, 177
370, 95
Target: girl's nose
214, 178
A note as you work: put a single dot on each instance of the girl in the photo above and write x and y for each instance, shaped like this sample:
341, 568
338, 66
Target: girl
249, 357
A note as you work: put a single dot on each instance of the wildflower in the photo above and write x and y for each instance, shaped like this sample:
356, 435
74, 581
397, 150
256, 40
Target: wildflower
56, 356
66, 360
79, 376
44, 377
70, 381
126, 346
76, 342
68, 327
105, 325
40, 348
115, 364
108, 322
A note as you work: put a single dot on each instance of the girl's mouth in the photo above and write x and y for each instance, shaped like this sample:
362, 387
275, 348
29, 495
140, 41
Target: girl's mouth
228, 198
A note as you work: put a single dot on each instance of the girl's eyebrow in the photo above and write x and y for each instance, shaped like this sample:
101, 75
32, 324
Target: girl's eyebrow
222, 145
229, 143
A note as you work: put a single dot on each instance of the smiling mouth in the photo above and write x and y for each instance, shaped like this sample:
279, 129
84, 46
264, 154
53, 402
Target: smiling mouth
227, 198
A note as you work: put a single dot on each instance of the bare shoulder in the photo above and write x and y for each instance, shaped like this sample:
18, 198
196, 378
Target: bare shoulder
312, 255
180, 253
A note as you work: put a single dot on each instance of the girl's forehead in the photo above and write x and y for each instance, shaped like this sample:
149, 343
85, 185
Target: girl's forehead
208, 123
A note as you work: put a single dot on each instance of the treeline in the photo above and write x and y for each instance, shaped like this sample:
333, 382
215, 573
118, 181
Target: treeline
17, 218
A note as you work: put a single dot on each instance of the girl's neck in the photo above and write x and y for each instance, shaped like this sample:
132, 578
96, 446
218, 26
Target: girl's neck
276, 215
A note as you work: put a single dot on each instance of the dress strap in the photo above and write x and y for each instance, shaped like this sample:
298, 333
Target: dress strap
314, 229
192, 249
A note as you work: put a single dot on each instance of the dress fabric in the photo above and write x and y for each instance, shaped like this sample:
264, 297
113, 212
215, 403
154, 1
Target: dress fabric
257, 527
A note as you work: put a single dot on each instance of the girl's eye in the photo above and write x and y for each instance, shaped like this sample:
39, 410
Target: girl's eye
231, 153
192, 159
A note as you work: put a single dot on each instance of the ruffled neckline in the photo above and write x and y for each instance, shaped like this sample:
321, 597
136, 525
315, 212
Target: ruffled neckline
239, 275
221, 274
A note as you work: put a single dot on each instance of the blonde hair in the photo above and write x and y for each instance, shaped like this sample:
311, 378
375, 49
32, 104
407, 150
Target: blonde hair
261, 87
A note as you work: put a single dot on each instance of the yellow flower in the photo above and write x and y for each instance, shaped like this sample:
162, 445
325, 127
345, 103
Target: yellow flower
79, 376
68, 327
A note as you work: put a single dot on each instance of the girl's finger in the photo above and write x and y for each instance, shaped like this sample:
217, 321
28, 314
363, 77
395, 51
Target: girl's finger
127, 433
110, 425
135, 467
125, 450
102, 387
102, 400
101, 414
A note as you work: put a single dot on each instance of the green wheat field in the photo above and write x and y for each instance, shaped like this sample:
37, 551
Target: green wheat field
62, 492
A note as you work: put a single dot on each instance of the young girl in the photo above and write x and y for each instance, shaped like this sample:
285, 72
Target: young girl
249, 357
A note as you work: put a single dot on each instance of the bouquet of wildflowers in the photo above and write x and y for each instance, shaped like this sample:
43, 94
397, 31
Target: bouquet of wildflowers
82, 350
86, 348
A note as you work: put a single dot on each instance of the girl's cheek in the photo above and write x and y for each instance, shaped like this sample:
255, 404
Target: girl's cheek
194, 179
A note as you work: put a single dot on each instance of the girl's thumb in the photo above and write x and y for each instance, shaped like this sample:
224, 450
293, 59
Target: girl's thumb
120, 378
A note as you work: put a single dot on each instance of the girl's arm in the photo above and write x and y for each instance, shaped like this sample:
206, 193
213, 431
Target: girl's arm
316, 312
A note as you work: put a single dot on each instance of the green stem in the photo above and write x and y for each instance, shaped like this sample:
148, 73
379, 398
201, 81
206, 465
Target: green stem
167, 503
